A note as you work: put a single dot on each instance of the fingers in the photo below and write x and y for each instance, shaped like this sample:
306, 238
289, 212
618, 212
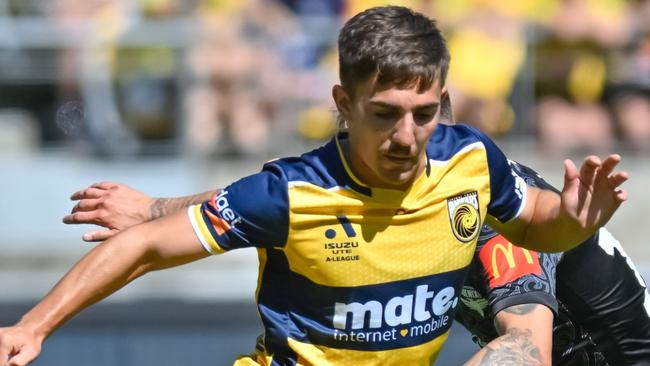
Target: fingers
23, 358
620, 196
15, 352
5, 351
99, 235
607, 167
617, 179
570, 171
90, 192
610, 163
82, 217
87, 204
589, 170
105, 185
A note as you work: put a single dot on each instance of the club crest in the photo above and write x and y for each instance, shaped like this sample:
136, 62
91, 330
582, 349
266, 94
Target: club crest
464, 216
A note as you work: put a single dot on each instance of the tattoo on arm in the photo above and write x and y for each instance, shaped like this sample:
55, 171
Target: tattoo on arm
165, 206
513, 349
158, 208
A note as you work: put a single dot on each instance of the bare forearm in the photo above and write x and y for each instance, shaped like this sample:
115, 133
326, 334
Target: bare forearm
513, 348
525, 338
158, 244
101, 272
165, 206
543, 226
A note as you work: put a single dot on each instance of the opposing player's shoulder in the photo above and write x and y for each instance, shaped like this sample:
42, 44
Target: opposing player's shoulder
530, 176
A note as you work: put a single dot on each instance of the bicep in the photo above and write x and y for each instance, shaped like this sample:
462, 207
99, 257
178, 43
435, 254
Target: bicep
171, 241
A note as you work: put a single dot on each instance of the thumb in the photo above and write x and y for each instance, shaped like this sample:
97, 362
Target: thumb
99, 235
570, 170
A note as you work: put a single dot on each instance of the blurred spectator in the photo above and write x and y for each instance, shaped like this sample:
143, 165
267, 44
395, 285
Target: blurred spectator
231, 103
488, 50
254, 73
630, 90
573, 69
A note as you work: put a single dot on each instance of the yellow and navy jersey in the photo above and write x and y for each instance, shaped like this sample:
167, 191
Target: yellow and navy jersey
352, 274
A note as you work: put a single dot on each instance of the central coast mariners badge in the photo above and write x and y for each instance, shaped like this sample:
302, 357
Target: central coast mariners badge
464, 216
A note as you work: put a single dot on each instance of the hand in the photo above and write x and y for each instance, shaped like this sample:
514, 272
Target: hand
18, 347
592, 195
114, 206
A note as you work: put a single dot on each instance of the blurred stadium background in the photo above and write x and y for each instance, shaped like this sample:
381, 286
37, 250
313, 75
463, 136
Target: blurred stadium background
175, 97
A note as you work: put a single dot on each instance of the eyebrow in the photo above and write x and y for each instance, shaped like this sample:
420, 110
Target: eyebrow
388, 105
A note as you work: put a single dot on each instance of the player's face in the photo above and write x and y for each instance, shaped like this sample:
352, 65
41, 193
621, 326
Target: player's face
389, 128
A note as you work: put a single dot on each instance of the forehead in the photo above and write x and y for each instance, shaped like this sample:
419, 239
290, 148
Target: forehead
399, 95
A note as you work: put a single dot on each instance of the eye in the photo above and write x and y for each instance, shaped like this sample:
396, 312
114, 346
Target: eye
385, 115
422, 118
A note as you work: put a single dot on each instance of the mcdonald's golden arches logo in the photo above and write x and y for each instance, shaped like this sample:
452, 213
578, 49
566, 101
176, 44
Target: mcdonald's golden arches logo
505, 262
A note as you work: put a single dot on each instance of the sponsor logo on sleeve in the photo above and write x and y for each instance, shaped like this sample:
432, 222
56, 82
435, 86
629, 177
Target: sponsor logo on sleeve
505, 262
464, 216
222, 216
473, 300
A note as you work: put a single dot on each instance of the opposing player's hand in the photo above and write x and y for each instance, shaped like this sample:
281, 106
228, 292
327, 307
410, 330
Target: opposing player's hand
18, 347
592, 194
114, 206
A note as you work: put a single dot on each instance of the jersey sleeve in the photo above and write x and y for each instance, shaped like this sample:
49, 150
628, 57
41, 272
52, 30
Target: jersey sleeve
507, 188
252, 212
515, 275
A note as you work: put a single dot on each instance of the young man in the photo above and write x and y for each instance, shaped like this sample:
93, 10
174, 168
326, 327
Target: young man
587, 307
404, 196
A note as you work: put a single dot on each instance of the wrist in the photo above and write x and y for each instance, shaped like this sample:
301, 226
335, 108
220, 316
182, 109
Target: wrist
38, 331
153, 210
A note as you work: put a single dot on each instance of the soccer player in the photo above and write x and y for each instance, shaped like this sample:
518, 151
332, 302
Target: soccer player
587, 307
364, 242
599, 300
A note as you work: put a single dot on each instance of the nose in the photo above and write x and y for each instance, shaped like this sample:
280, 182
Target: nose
404, 133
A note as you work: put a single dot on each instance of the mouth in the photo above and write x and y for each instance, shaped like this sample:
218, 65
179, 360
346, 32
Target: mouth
399, 159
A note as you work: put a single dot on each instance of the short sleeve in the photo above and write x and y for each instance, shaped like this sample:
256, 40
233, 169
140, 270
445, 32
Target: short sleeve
252, 212
516, 275
507, 188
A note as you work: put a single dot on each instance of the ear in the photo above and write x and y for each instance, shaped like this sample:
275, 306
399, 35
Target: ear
446, 113
343, 101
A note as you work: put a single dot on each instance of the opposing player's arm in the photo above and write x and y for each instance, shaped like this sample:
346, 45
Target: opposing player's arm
525, 338
117, 206
167, 242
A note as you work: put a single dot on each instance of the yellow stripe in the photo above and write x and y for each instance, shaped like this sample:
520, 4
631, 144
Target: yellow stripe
204, 231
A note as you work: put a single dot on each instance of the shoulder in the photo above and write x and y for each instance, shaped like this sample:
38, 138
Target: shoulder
449, 140
311, 167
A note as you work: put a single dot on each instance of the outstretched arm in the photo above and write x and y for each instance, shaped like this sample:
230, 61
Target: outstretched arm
526, 336
588, 200
117, 206
154, 245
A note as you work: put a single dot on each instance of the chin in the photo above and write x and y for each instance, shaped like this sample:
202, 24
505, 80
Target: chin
398, 179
